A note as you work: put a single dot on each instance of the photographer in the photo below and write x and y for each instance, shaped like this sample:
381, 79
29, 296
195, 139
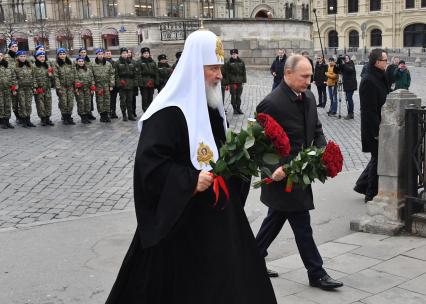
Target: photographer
320, 81
346, 67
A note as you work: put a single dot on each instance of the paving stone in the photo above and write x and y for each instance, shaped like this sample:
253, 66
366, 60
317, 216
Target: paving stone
362, 239
350, 263
290, 262
332, 249
403, 266
301, 276
383, 251
372, 281
294, 300
416, 285
343, 295
418, 253
283, 287
396, 296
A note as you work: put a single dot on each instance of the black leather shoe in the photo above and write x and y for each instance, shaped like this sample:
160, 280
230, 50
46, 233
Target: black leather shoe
326, 283
272, 273
368, 198
359, 189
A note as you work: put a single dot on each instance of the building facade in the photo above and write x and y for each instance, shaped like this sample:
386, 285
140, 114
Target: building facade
113, 23
351, 24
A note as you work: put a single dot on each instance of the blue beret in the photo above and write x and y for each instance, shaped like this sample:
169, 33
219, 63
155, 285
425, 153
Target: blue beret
39, 47
39, 53
82, 49
60, 51
13, 42
19, 53
79, 58
99, 51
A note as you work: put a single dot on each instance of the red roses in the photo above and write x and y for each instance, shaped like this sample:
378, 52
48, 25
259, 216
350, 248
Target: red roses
39, 91
275, 133
78, 85
13, 88
332, 159
122, 82
149, 84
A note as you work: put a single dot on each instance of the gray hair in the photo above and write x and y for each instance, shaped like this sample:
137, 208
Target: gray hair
292, 62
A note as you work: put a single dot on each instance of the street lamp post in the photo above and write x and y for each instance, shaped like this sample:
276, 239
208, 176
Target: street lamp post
334, 9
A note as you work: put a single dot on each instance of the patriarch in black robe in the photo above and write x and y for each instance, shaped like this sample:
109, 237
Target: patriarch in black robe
186, 250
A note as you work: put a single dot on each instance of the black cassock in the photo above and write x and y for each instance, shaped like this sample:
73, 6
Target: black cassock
184, 249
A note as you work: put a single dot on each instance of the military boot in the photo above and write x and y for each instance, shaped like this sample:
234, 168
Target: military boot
124, 116
64, 119
90, 116
2, 123
29, 123
43, 121
113, 115
49, 122
84, 119
107, 118
7, 124
131, 117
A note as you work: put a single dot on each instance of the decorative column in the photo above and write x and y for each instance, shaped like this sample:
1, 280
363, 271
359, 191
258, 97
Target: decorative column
384, 212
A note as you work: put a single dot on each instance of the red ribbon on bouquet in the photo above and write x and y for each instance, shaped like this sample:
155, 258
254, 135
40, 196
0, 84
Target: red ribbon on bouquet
219, 183
289, 186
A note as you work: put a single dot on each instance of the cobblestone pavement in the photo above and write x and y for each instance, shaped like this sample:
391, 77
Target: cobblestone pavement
71, 171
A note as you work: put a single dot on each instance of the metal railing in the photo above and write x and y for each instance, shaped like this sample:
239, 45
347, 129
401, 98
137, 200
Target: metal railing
415, 141
179, 30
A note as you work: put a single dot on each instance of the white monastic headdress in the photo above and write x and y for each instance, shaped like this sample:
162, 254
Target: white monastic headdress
186, 89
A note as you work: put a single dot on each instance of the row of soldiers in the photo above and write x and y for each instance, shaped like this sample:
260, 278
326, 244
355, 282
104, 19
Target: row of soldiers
21, 78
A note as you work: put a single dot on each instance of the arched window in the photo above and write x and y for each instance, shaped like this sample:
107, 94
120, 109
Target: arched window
415, 35
144, 8
109, 8
375, 5
110, 38
409, 3
305, 11
333, 39
352, 6
353, 39
332, 7
288, 10
87, 38
376, 37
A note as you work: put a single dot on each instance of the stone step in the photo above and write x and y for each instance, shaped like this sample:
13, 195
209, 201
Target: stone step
419, 224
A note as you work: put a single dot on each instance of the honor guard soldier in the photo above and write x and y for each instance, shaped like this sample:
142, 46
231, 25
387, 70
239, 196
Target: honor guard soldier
42, 76
64, 73
164, 71
83, 53
124, 79
11, 58
147, 76
103, 73
135, 83
84, 86
177, 55
24, 75
8, 87
235, 71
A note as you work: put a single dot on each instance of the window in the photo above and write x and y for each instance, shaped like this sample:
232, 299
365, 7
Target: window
305, 11
40, 10
352, 6
288, 10
64, 10
353, 39
332, 7
375, 5
409, 3
84, 9
109, 8
423, 3
110, 38
18, 11
333, 39
376, 37
144, 8
415, 35
207, 8
230, 6
175, 8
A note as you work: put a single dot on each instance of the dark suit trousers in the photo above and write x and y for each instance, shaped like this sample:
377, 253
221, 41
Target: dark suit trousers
368, 181
300, 223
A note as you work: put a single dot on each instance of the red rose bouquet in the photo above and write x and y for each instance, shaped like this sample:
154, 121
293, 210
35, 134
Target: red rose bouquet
78, 85
92, 88
39, 91
13, 88
149, 84
314, 163
122, 82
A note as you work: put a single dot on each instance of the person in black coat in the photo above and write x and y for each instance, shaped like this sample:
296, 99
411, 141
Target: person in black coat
347, 69
320, 81
277, 68
306, 55
372, 94
390, 72
294, 108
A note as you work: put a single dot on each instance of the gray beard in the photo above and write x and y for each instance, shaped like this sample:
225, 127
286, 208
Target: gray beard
213, 96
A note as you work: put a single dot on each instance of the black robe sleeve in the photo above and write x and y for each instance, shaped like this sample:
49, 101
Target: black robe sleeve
164, 179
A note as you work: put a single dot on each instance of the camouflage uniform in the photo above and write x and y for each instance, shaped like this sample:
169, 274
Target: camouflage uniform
103, 74
83, 76
7, 82
42, 77
11, 57
114, 93
64, 74
235, 71
148, 80
124, 78
164, 73
24, 75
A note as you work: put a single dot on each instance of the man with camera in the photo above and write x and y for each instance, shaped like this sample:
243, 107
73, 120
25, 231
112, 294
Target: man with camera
346, 67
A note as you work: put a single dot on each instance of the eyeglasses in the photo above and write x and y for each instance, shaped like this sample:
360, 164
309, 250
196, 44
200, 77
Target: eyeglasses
383, 59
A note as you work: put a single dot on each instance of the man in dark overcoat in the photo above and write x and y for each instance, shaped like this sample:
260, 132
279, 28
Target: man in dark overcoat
350, 84
372, 94
294, 108
277, 68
